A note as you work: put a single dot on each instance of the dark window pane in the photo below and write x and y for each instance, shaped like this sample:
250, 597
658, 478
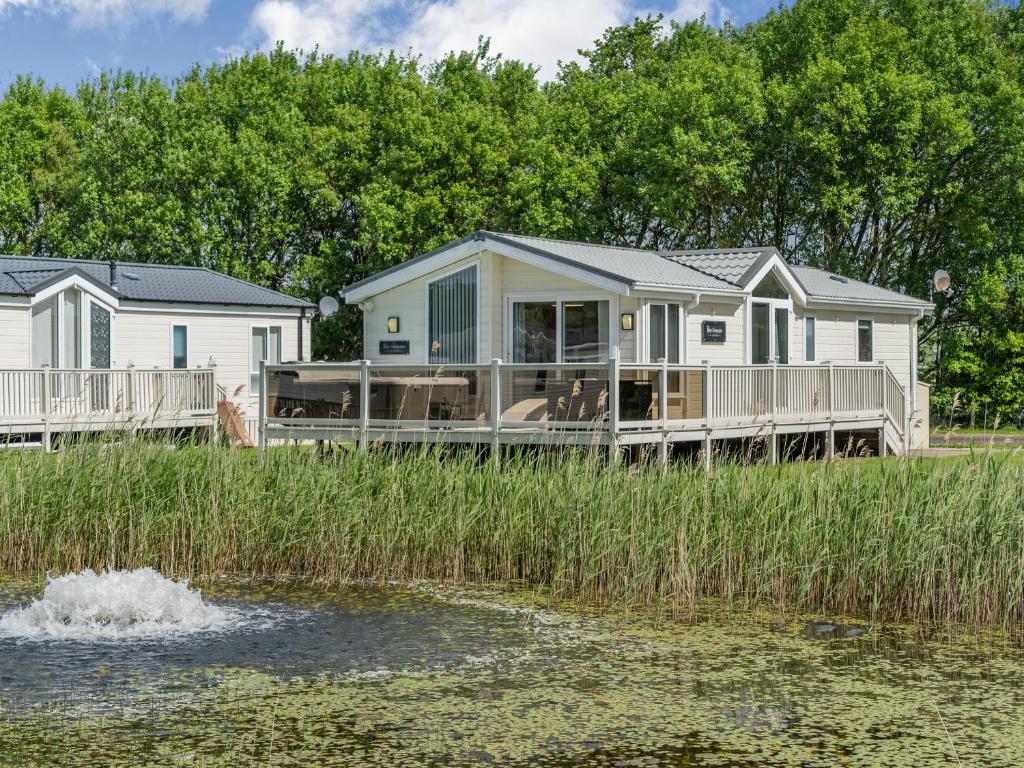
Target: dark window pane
865, 351
180, 353
534, 335
760, 334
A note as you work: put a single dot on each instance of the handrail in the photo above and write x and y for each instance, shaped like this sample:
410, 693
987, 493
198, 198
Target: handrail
609, 397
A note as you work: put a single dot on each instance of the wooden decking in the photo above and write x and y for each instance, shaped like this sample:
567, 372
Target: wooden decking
38, 404
570, 404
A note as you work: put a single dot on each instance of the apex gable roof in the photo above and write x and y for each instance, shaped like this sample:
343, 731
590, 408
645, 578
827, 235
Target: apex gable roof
27, 275
724, 271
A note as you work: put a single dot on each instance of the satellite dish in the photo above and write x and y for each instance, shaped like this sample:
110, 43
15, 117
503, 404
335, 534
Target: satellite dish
941, 280
328, 306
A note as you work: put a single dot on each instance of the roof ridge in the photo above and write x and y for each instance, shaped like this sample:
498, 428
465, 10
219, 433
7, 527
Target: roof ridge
719, 251
573, 242
102, 262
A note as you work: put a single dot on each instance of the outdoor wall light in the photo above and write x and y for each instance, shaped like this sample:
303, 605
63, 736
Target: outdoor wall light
393, 324
626, 321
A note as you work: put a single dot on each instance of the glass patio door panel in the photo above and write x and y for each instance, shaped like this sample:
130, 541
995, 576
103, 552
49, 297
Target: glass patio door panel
663, 332
534, 332
44, 334
760, 334
781, 343
585, 331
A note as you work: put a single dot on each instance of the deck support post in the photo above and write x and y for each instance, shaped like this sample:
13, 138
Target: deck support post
45, 392
364, 402
773, 447
261, 436
882, 448
496, 411
707, 450
663, 412
830, 448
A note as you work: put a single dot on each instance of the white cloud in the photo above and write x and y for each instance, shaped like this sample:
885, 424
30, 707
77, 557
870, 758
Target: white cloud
101, 12
540, 32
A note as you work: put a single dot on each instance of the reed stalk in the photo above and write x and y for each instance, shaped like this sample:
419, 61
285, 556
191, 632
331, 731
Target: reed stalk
938, 540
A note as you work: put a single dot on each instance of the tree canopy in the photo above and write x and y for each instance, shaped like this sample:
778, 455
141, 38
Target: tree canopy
878, 138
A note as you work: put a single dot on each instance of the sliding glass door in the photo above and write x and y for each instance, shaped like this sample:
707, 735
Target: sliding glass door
770, 309
556, 331
663, 332
535, 332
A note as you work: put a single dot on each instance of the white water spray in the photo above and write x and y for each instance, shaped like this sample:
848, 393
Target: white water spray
116, 605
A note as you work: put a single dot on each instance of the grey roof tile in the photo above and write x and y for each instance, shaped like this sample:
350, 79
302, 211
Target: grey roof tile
630, 264
144, 282
820, 284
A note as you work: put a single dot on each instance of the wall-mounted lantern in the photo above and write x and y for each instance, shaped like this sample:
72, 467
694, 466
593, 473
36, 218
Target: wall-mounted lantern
626, 321
393, 324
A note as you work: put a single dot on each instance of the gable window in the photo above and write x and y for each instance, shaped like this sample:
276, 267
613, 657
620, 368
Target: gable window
770, 307
810, 353
452, 321
264, 346
179, 346
663, 332
865, 341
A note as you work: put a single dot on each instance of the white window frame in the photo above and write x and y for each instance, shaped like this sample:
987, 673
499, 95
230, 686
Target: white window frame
188, 344
254, 369
773, 304
560, 299
644, 354
85, 329
814, 321
856, 340
426, 306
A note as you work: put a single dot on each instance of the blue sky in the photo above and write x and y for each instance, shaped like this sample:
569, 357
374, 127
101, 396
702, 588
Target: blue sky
64, 41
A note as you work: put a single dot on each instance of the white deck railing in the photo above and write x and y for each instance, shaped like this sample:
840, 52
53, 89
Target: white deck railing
610, 397
103, 395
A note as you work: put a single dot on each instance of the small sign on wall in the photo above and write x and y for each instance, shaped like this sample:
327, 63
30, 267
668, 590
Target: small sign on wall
712, 331
392, 347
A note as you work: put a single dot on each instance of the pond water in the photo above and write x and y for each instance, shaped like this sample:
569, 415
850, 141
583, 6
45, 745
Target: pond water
130, 669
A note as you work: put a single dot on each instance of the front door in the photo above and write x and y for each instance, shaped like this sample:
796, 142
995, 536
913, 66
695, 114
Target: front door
769, 333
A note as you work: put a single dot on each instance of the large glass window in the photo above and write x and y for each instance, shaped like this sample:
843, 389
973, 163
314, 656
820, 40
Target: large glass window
865, 341
810, 353
44, 334
552, 331
534, 332
179, 341
452, 314
781, 335
663, 332
760, 334
265, 346
71, 346
584, 331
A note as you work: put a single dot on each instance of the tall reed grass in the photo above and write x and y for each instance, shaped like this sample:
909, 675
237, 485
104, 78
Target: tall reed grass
920, 539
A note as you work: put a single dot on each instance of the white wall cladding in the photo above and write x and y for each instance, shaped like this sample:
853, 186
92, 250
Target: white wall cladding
215, 334
15, 336
733, 351
836, 333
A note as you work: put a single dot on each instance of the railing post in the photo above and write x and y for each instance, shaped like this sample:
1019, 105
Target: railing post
707, 392
613, 405
129, 395
46, 408
364, 402
881, 388
773, 401
495, 419
261, 437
